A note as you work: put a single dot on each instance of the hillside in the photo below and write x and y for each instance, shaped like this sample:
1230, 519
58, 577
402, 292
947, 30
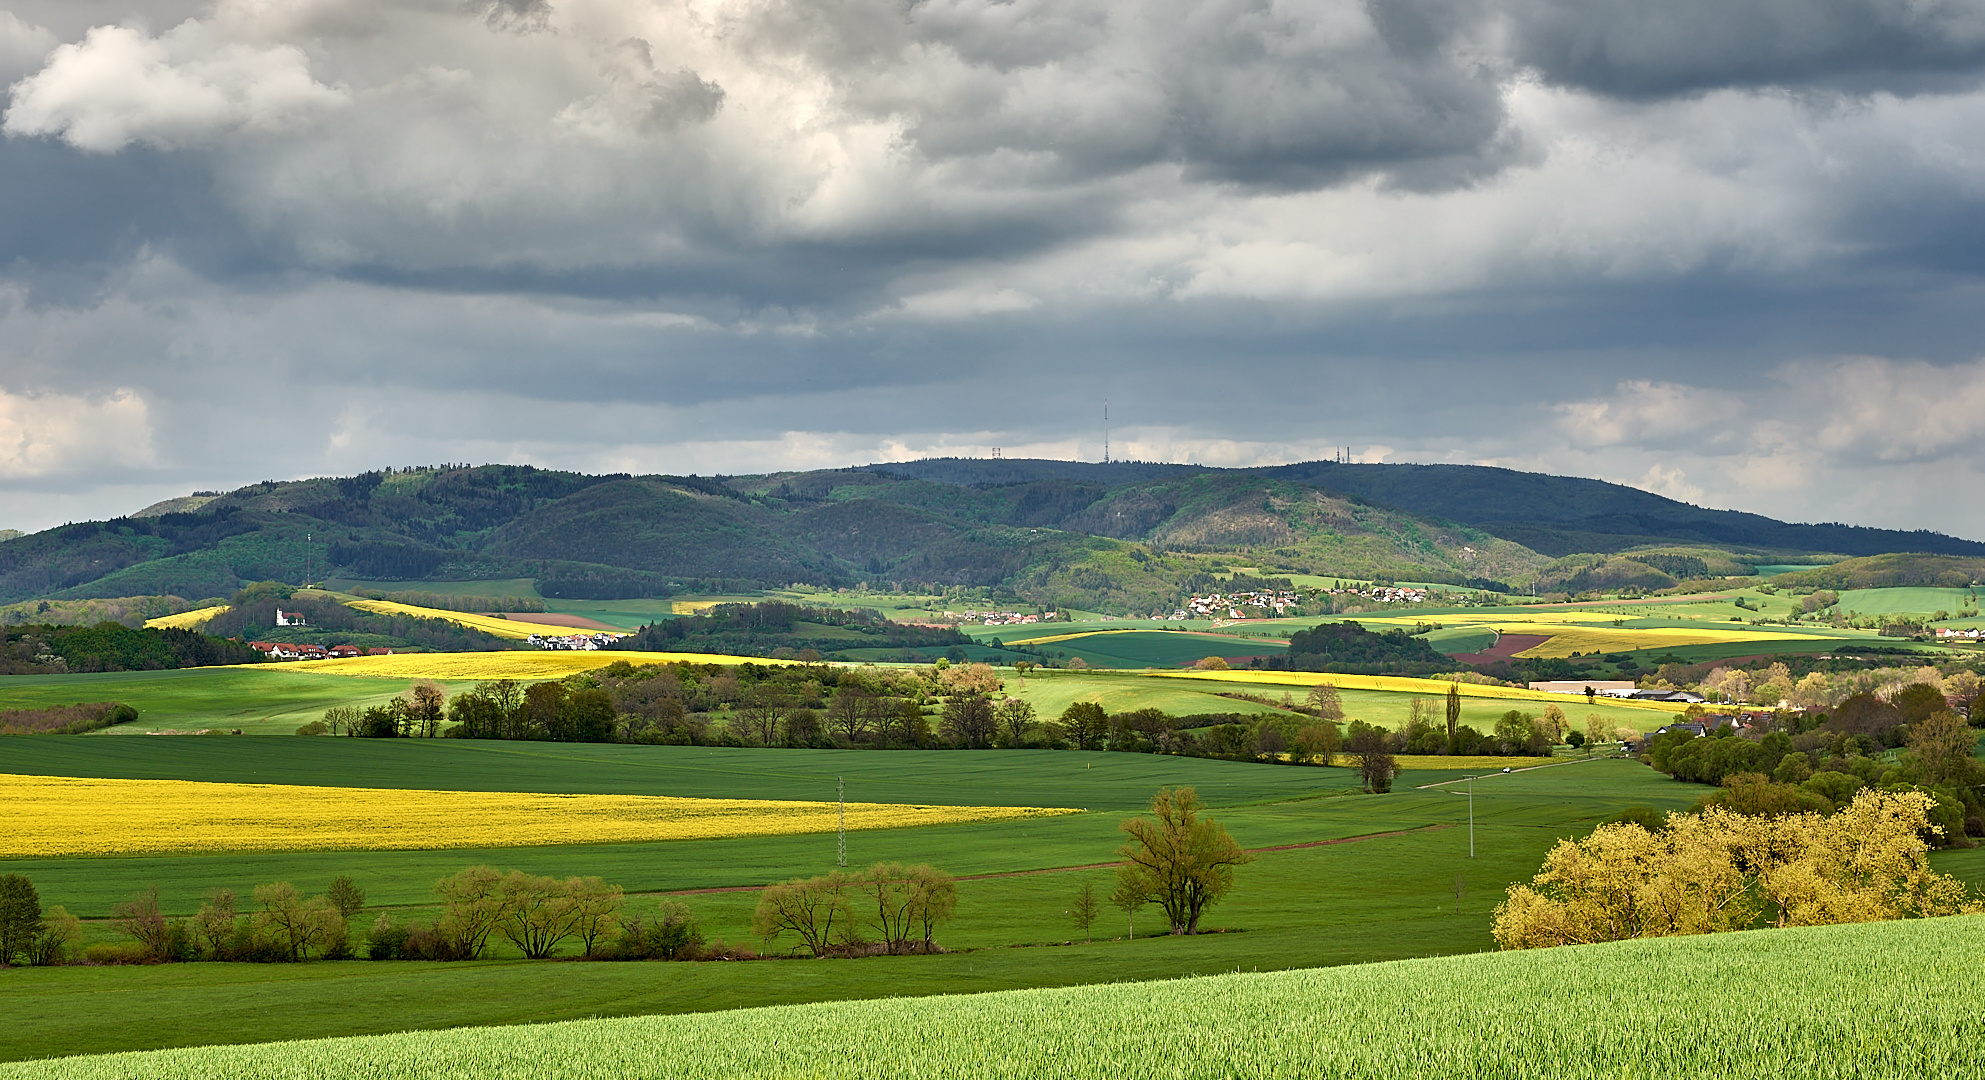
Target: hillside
1123, 538
1889, 572
1554, 515
1804, 1012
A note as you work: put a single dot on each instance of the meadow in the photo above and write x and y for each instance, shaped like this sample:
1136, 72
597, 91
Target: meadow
1805, 1011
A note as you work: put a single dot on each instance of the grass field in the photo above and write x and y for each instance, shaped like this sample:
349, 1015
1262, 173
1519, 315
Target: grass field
1809, 1010
1391, 895
1907, 601
1153, 648
258, 699
58, 817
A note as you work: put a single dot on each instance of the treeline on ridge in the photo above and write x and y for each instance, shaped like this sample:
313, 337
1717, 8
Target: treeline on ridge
109, 646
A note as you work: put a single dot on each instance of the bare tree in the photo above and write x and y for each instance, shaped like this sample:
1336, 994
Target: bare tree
969, 719
849, 712
1325, 702
758, 714
140, 917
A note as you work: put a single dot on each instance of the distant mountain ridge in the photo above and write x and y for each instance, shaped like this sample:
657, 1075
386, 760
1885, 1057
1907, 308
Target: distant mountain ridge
1120, 537
1554, 515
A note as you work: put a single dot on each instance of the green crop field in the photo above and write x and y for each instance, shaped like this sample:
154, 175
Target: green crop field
258, 702
1907, 601
1389, 896
1809, 1008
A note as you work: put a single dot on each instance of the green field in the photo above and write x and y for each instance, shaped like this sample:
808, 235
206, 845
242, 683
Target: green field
1907, 601
258, 702
1809, 1008
1386, 897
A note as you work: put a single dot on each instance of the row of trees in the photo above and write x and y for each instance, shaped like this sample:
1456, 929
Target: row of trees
1720, 870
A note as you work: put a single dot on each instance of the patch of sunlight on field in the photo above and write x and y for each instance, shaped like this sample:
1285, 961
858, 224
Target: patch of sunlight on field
549, 664
1398, 683
55, 817
693, 607
186, 620
488, 624
1410, 762
1568, 640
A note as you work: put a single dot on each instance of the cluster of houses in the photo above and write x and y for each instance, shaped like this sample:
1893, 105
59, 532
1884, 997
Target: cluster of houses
1710, 725
1960, 633
996, 618
1621, 690
283, 650
571, 642
1386, 594
1232, 605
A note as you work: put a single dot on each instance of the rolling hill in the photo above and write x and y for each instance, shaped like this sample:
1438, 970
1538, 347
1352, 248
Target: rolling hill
1119, 537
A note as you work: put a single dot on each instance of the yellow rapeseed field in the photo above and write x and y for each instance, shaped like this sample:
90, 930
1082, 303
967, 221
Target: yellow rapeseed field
186, 620
1396, 683
488, 624
528, 664
57, 817
693, 607
1565, 641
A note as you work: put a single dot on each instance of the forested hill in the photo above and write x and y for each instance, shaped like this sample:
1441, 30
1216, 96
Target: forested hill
1553, 515
1122, 538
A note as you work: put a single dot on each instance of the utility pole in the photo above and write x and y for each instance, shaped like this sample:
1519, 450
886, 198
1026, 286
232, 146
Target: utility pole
1471, 817
306, 560
841, 840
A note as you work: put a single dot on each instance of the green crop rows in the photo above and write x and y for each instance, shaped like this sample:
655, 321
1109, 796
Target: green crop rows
1805, 1003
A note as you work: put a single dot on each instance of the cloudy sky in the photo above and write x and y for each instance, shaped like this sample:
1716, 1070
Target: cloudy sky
1727, 250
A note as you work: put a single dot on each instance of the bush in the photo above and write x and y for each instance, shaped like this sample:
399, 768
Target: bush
117, 952
672, 934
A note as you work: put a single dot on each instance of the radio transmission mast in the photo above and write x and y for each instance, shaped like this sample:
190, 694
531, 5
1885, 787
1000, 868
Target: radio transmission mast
1106, 431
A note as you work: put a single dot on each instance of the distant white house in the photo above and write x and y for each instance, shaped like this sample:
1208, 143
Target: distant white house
289, 618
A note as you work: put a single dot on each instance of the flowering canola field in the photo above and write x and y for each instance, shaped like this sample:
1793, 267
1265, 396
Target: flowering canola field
58, 817
488, 624
531, 664
186, 620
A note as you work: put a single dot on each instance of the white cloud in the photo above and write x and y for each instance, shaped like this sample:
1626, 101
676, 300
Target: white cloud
120, 85
43, 435
23, 46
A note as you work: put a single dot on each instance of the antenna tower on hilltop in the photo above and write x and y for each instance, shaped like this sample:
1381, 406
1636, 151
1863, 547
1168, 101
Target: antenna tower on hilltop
1106, 431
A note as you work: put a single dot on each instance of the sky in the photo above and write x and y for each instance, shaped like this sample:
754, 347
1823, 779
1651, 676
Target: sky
1729, 251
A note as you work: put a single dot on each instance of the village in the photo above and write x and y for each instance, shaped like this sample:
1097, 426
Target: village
1234, 605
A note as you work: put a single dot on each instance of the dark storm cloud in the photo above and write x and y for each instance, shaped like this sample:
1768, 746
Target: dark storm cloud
1621, 239
1635, 49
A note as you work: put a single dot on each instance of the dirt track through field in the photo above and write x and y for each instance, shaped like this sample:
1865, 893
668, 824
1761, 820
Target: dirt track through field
552, 618
1100, 865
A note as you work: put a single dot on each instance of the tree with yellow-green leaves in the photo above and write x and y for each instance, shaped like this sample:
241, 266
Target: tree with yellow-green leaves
1726, 871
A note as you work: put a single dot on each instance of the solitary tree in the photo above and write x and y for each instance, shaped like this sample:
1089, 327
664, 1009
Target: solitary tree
1082, 910
20, 917
1180, 861
1453, 710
